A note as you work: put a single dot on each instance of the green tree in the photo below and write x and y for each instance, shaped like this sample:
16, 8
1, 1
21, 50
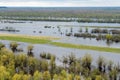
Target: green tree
13, 46
86, 29
37, 75
46, 75
30, 48
86, 61
64, 74
77, 77
26, 77
100, 63
99, 77
17, 77
108, 37
55, 77
4, 74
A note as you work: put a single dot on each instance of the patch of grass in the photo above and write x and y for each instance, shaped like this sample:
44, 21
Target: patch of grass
23, 39
96, 48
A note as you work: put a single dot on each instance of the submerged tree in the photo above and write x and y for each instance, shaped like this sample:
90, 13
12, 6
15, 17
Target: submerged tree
86, 61
43, 55
30, 48
52, 66
108, 37
71, 58
71, 29
110, 65
80, 30
100, 63
13, 46
65, 61
86, 29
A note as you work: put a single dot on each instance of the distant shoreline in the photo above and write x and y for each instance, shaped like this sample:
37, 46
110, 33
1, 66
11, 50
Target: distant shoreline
79, 14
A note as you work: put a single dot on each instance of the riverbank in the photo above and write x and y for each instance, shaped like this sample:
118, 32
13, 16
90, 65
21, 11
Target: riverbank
96, 48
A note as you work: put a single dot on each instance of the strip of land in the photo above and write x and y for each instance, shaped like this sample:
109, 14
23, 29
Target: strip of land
27, 38
96, 48
48, 40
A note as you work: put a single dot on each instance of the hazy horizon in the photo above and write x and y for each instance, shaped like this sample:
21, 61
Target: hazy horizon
61, 3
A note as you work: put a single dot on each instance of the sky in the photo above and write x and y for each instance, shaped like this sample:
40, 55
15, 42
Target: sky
59, 3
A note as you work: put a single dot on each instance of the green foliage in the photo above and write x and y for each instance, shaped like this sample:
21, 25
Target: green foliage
30, 48
37, 75
99, 78
4, 74
86, 61
17, 77
77, 77
108, 37
46, 75
13, 46
55, 77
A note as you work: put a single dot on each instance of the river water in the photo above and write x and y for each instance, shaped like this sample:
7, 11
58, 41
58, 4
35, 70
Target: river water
59, 29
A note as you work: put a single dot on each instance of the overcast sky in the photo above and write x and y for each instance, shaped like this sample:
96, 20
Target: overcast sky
59, 3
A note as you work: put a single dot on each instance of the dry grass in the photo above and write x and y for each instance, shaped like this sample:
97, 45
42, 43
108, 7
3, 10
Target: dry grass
29, 36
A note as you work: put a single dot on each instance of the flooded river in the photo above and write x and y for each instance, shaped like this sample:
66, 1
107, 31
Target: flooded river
60, 29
